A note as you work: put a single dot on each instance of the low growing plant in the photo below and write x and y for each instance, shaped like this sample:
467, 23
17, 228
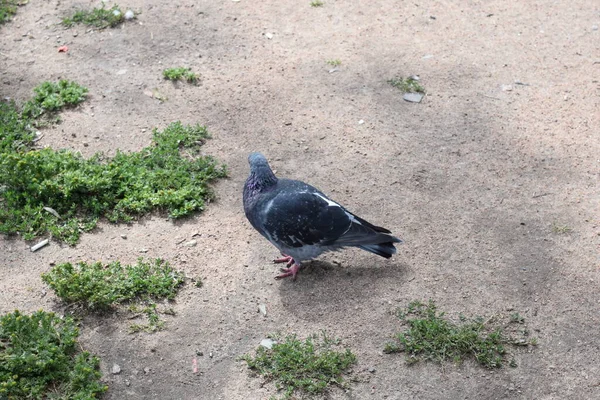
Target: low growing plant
430, 336
50, 97
8, 8
97, 286
39, 359
307, 366
100, 18
407, 85
62, 193
181, 73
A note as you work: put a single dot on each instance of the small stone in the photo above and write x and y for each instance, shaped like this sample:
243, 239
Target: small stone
269, 35
413, 97
85, 144
199, 353
262, 309
129, 15
123, 236
372, 370
116, 369
146, 370
267, 343
507, 88
361, 122
191, 243
143, 250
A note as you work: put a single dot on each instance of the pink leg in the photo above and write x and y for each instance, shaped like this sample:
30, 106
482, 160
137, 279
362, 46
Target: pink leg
291, 271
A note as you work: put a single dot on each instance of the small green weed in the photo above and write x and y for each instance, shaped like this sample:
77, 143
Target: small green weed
518, 318
316, 3
39, 359
309, 366
100, 18
97, 286
561, 229
50, 97
408, 85
8, 8
154, 324
432, 337
181, 73
335, 63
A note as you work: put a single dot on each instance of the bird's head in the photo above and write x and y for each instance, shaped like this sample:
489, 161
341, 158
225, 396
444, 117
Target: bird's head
261, 175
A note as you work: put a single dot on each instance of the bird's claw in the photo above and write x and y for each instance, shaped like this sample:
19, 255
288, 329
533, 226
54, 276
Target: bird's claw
291, 271
285, 259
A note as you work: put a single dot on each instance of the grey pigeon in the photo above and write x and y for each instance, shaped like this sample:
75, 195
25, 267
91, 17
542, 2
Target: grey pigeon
302, 222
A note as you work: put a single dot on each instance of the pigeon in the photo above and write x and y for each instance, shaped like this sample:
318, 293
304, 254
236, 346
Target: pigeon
302, 222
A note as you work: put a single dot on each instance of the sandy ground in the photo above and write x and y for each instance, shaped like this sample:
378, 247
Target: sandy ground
504, 148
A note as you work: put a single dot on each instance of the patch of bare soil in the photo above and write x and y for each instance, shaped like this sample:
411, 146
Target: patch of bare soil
504, 147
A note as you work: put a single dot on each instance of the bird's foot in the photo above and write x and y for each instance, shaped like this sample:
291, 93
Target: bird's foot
285, 259
291, 271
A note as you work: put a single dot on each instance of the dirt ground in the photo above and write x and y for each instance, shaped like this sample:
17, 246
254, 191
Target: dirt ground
478, 179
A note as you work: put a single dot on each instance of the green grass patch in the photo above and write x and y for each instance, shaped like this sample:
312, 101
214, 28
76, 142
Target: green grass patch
317, 3
50, 97
407, 85
430, 336
100, 18
8, 9
100, 287
39, 359
180, 74
15, 131
335, 63
59, 192
309, 366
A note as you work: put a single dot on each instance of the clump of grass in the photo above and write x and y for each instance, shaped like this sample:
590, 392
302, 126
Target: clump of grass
8, 9
81, 191
50, 97
430, 336
335, 63
561, 229
308, 366
154, 322
39, 358
98, 287
100, 18
316, 3
15, 131
181, 73
407, 85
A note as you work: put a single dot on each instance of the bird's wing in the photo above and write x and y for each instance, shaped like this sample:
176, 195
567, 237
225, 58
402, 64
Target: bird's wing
304, 218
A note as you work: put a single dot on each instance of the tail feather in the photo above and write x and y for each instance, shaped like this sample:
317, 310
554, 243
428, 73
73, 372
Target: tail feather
382, 249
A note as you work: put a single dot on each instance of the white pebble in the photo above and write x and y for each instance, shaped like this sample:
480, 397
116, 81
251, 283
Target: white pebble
129, 15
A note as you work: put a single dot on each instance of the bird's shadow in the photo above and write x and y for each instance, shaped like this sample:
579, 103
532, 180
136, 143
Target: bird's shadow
323, 287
